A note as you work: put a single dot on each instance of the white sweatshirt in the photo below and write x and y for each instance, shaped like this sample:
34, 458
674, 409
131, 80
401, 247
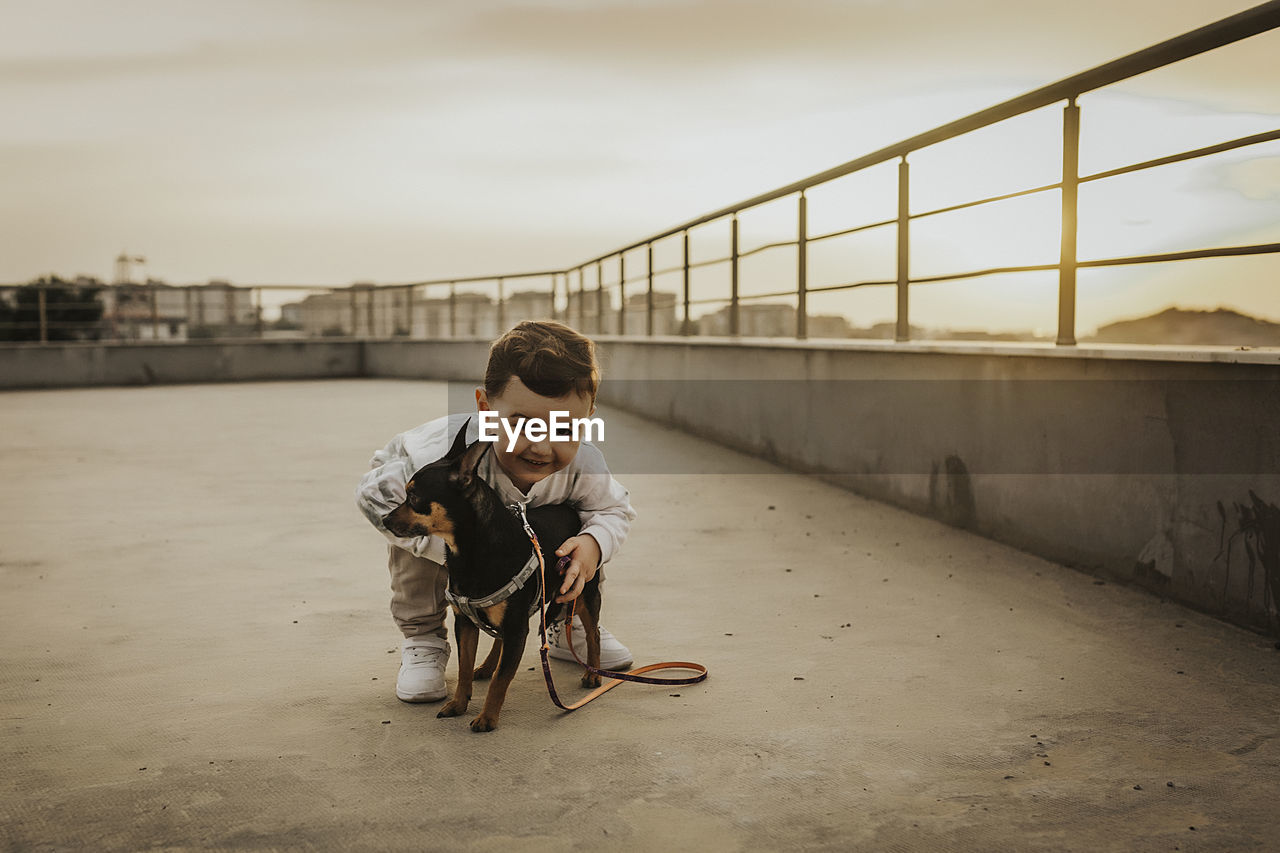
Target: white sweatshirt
585, 483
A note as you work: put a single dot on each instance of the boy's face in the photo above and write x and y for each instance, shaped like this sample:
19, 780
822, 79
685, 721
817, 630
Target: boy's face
528, 462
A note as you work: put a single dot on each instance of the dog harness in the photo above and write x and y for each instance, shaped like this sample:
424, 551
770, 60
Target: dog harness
473, 608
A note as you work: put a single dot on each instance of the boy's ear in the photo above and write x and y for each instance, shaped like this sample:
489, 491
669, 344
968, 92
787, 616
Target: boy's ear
459, 442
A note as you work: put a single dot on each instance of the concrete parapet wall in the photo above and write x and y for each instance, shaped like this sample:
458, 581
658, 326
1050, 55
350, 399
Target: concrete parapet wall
1155, 467
452, 360
71, 365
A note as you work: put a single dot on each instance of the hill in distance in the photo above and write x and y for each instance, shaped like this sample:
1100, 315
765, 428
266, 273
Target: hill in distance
1220, 327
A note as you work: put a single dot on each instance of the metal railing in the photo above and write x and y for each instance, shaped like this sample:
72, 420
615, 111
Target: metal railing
1251, 22
371, 309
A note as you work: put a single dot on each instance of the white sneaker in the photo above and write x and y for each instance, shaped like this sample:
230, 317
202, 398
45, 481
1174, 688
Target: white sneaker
613, 655
421, 677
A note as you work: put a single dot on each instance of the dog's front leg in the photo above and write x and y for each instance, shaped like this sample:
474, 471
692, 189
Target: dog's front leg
468, 637
485, 670
514, 633
589, 613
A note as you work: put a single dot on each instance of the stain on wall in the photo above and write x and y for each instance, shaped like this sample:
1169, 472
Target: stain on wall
951, 492
1249, 543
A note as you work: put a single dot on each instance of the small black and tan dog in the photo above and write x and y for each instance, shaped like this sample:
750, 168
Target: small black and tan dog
487, 548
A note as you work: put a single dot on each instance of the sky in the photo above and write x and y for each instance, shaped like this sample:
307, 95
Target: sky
323, 142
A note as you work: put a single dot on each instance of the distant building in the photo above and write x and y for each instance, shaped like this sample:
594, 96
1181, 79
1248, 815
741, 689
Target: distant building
158, 311
592, 312
771, 320
828, 326
291, 315
219, 309
664, 313
144, 312
526, 305
366, 310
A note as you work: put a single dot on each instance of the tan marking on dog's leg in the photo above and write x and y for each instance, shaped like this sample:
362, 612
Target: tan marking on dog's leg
486, 669
468, 637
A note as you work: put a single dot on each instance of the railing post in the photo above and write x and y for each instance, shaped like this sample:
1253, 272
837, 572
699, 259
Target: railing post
42, 303
453, 309
802, 269
648, 327
685, 328
622, 294
599, 324
186, 306
257, 310
502, 306
408, 310
735, 326
355, 310
902, 332
582, 299
1070, 210
155, 314
555, 278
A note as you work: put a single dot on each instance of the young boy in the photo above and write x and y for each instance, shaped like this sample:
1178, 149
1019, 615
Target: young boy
534, 369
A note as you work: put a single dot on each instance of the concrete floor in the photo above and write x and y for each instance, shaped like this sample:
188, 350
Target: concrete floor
195, 652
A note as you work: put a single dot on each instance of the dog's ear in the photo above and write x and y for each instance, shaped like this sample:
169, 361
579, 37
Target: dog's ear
467, 465
459, 442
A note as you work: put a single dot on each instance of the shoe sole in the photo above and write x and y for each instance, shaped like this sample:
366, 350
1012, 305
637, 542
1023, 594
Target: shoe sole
422, 697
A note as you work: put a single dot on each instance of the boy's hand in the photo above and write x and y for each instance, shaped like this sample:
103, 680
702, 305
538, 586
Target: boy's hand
585, 562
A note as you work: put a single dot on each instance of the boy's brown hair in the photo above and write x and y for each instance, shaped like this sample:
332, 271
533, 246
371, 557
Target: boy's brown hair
550, 358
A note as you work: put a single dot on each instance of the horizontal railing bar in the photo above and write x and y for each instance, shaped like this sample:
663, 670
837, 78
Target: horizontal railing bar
775, 295
994, 198
1235, 28
1227, 251
668, 270
758, 249
470, 279
853, 230
850, 286
1242, 142
1221, 252
979, 273
710, 262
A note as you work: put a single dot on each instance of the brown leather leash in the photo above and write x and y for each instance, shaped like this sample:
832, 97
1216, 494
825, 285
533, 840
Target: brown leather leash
614, 678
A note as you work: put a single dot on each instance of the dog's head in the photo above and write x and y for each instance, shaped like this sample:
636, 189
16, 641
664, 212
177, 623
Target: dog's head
441, 495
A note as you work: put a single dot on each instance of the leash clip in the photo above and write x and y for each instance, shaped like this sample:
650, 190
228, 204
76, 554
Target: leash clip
518, 509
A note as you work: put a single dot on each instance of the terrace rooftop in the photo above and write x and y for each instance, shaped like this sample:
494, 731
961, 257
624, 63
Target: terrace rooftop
195, 652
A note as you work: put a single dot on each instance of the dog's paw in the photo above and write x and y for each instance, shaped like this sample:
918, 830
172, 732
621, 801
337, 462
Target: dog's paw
484, 723
590, 679
482, 673
453, 708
